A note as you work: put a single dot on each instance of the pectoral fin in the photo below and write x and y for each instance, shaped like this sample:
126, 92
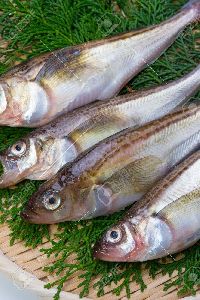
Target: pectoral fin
138, 176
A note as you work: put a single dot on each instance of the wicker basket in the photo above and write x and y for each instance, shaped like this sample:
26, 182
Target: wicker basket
25, 265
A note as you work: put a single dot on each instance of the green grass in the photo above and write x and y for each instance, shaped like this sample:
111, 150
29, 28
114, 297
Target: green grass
36, 26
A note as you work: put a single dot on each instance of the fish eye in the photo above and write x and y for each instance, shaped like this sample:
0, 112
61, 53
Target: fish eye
52, 202
18, 149
114, 235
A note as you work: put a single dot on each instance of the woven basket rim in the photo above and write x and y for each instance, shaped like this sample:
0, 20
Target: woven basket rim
25, 280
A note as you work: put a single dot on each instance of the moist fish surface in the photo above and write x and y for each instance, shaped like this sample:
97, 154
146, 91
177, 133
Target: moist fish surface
34, 93
117, 171
164, 222
43, 152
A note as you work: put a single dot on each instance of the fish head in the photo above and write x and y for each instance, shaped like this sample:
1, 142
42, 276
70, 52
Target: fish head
22, 103
57, 201
133, 240
35, 157
22, 160
48, 205
118, 243
23, 99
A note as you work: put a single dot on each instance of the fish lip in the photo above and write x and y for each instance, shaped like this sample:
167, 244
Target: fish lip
99, 253
96, 252
7, 175
30, 216
25, 216
11, 174
4, 175
5, 181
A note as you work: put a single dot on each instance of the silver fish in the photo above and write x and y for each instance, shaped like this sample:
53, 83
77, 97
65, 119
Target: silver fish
117, 171
164, 222
42, 153
34, 93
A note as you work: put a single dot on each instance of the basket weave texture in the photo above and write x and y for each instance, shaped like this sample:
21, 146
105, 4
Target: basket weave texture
27, 271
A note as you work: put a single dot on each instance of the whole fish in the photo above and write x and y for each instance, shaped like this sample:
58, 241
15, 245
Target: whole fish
117, 171
164, 222
34, 93
43, 152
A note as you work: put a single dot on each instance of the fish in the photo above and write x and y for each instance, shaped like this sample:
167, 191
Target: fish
164, 222
35, 92
117, 171
43, 152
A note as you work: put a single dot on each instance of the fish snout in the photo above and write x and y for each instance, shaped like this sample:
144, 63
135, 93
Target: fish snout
30, 216
5, 178
99, 252
25, 215
9, 173
103, 251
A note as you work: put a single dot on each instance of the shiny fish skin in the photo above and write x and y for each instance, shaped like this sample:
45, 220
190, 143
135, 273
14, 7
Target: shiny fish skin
117, 171
34, 93
164, 222
52, 146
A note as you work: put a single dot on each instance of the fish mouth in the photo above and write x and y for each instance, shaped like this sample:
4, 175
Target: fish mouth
30, 216
100, 252
5, 176
8, 177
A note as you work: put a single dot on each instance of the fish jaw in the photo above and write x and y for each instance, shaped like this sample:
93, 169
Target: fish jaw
12, 173
32, 217
6, 179
23, 103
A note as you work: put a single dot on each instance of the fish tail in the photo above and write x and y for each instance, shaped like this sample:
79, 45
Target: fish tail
194, 6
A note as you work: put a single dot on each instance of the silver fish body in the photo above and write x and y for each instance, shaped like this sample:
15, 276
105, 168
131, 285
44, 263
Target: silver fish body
34, 93
164, 222
44, 151
117, 171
